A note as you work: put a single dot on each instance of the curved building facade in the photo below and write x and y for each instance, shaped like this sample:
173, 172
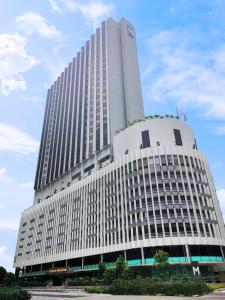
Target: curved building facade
102, 191
154, 191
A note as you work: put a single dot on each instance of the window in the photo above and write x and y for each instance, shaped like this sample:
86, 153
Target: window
103, 159
145, 139
89, 168
77, 175
178, 140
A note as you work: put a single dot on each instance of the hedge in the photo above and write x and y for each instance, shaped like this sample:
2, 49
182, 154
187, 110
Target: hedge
148, 287
97, 289
32, 283
14, 294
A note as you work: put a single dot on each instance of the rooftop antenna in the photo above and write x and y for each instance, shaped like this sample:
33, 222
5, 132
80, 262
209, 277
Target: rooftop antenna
185, 115
182, 114
177, 112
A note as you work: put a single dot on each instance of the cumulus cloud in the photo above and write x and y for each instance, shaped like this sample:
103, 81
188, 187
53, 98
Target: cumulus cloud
55, 7
14, 62
31, 22
94, 11
221, 197
14, 140
182, 73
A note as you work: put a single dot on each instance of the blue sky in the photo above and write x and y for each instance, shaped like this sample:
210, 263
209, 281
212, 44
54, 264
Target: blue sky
181, 46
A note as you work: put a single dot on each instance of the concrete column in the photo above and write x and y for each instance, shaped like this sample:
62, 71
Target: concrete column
101, 257
125, 255
67, 263
221, 248
187, 253
142, 256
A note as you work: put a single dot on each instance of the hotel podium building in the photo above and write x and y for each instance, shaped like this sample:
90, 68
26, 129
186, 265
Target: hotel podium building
110, 181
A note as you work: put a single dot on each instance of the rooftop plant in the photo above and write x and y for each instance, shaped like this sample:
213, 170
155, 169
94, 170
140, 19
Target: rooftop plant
149, 117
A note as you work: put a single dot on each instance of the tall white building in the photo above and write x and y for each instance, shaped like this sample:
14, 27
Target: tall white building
97, 94
109, 181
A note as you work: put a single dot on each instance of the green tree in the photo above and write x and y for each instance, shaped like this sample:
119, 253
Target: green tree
101, 269
109, 275
128, 273
121, 266
162, 270
9, 279
2, 273
161, 258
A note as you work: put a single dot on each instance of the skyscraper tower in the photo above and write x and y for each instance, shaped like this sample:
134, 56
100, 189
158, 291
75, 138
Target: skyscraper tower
97, 94
110, 181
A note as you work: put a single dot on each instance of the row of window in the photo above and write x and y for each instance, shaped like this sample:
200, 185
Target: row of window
120, 197
114, 236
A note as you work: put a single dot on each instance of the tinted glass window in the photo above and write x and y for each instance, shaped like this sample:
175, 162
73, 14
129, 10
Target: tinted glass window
178, 139
145, 139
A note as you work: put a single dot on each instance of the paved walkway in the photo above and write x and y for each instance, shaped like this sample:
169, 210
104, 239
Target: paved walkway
80, 295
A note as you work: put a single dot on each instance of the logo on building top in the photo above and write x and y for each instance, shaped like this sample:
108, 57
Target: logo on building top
130, 31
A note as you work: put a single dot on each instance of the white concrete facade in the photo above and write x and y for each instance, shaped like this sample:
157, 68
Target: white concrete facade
161, 195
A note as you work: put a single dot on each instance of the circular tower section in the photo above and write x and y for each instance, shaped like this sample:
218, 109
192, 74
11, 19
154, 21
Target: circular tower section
171, 199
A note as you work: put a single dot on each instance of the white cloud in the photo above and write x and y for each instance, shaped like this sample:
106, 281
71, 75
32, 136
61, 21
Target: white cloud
27, 185
221, 197
94, 11
9, 224
31, 22
2, 250
70, 4
219, 130
182, 74
55, 7
14, 140
14, 61
13, 84
3, 176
